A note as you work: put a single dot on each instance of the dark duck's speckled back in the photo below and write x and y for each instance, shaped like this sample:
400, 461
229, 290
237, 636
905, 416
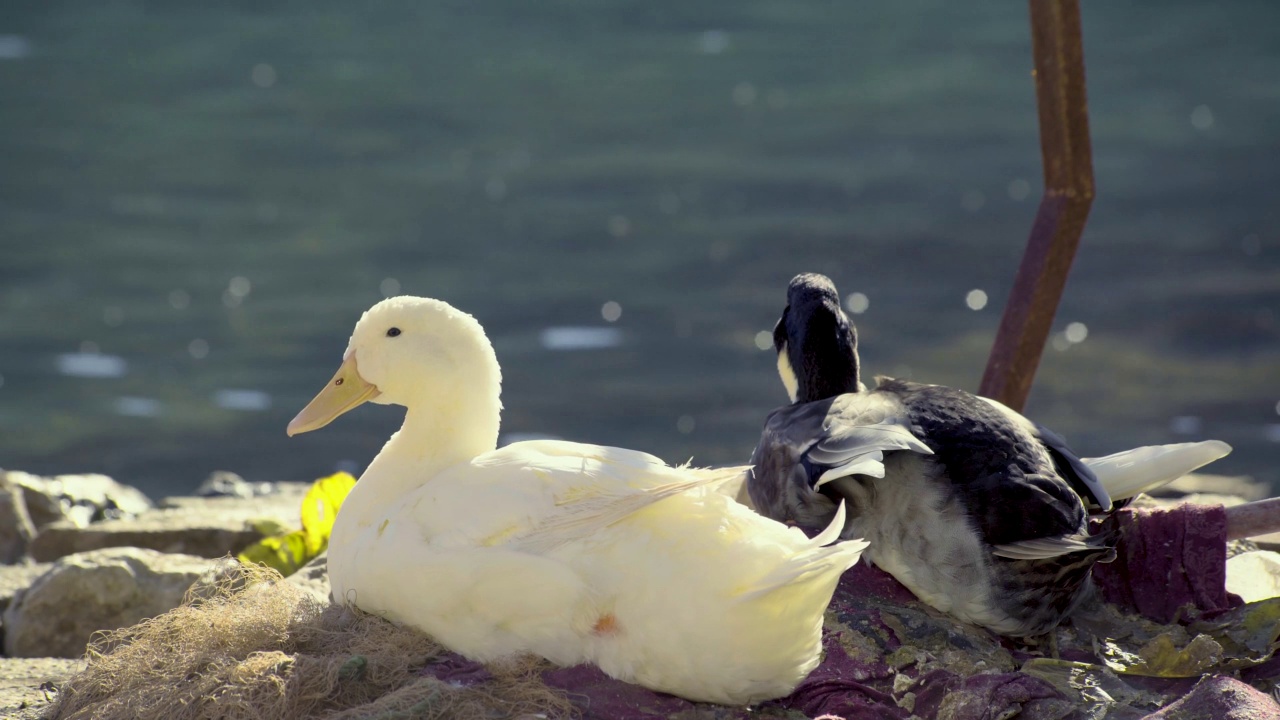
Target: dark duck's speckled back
977, 510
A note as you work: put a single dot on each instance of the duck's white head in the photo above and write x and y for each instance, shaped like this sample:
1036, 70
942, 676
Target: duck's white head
411, 351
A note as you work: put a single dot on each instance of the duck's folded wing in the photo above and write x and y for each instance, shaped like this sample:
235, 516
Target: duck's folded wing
855, 434
586, 511
848, 449
807, 445
583, 489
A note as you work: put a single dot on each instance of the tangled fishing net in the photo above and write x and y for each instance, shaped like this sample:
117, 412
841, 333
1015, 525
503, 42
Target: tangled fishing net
248, 645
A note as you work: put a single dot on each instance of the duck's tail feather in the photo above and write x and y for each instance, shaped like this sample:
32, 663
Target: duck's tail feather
824, 558
1125, 474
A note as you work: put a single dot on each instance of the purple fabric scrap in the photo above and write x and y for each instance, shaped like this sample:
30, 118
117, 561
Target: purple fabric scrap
1168, 559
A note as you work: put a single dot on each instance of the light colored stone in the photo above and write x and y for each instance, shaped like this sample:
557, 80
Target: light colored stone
14, 578
16, 530
209, 527
21, 696
77, 498
99, 590
224, 483
1254, 575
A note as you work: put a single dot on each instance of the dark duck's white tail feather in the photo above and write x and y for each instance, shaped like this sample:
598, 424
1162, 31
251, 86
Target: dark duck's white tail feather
1125, 474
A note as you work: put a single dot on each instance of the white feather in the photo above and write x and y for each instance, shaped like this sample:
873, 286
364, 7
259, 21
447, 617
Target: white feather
1125, 474
871, 464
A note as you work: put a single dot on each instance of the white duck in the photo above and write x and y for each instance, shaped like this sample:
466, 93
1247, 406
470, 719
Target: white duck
573, 552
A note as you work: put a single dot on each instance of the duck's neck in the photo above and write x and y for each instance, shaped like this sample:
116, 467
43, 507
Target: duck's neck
826, 362
435, 436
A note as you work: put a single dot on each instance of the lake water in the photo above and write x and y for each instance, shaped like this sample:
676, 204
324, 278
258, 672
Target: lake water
197, 201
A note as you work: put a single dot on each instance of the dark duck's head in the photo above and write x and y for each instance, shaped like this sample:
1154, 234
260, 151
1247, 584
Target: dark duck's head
817, 345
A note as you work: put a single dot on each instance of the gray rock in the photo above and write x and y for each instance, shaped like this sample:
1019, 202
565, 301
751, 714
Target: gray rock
21, 680
208, 527
223, 483
77, 498
99, 590
16, 529
14, 578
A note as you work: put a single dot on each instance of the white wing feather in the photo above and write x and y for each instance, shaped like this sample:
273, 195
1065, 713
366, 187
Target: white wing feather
1125, 474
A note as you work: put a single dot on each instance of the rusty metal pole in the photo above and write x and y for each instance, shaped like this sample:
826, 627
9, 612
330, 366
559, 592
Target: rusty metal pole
1068, 193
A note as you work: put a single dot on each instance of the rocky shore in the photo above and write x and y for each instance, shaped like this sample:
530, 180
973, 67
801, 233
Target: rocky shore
84, 553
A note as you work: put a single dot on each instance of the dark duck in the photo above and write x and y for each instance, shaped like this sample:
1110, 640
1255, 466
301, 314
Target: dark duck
980, 512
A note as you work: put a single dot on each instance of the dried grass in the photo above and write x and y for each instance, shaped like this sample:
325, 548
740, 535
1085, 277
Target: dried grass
247, 645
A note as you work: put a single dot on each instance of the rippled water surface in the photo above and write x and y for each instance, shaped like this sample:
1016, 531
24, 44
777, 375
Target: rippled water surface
197, 201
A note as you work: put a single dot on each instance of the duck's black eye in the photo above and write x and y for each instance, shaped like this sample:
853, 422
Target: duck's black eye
393, 332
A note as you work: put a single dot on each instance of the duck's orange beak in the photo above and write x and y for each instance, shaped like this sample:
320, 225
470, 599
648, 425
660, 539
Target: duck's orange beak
345, 391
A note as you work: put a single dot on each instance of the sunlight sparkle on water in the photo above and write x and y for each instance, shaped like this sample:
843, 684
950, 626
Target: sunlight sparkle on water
131, 406
713, 42
764, 340
976, 299
239, 286
686, 424
611, 311
1186, 425
248, 400
199, 348
567, 337
179, 299
237, 290
619, 226
14, 47
91, 365
1019, 189
263, 75
857, 303
1202, 117
389, 287
1076, 332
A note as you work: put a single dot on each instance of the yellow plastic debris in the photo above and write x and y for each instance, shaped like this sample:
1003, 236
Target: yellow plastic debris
288, 550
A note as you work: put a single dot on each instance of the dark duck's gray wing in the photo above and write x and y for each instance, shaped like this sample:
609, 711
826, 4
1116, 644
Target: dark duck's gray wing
805, 449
